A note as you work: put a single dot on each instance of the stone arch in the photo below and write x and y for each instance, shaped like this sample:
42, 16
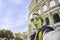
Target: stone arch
59, 1
44, 8
47, 21
56, 18
52, 3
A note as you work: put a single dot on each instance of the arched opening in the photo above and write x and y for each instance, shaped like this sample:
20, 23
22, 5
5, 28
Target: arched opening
39, 11
56, 18
44, 8
59, 1
52, 3
47, 21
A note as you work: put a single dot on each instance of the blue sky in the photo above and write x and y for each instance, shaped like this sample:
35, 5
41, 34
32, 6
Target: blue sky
14, 15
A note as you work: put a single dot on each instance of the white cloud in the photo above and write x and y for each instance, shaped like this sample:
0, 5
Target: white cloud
18, 23
21, 21
9, 12
0, 3
6, 19
3, 26
23, 17
7, 22
17, 2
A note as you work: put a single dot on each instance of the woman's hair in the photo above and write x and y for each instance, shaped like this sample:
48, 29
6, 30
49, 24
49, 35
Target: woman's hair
39, 17
47, 29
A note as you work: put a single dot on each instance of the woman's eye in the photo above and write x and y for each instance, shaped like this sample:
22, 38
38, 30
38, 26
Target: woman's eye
32, 19
37, 18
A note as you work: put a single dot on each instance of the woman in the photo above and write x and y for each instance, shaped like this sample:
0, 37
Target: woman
36, 21
53, 35
41, 30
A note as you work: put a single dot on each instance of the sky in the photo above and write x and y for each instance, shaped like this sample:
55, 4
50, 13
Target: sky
14, 15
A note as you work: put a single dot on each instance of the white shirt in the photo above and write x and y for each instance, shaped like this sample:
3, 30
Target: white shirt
53, 35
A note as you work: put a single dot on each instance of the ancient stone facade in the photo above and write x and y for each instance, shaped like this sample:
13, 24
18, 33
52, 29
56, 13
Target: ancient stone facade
48, 9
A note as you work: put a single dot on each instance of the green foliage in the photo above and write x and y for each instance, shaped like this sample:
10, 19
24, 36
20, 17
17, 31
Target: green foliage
6, 34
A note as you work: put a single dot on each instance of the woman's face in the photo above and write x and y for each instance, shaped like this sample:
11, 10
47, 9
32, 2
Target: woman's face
36, 21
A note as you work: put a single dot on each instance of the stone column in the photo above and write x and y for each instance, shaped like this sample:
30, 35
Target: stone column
47, 4
44, 21
56, 1
51, 19
39, 11
42, 10
59, 10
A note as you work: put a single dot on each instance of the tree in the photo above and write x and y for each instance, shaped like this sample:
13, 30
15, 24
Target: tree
6, 34
18, 36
